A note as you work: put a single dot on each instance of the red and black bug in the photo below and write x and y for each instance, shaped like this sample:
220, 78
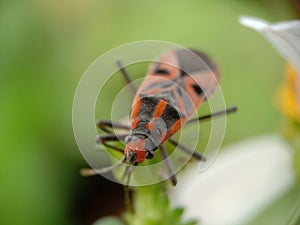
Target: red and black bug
175, 86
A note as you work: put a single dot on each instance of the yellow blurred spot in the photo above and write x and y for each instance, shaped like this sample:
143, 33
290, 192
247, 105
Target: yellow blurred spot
289, 95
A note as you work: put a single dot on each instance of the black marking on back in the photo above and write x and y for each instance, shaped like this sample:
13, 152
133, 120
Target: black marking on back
197, 89
170, 116
147, 107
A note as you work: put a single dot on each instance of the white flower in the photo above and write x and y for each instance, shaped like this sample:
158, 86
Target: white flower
284, 36
250, 175
243, 180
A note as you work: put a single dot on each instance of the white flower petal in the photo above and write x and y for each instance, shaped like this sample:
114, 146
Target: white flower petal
289, 26
254, 23
242, 182
284, 36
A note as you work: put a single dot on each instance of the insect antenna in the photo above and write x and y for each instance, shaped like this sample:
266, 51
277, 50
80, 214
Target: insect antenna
126, 77
91, 172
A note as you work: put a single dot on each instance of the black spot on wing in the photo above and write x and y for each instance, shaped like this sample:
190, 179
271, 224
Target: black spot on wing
198, 90
183, 73
159, 71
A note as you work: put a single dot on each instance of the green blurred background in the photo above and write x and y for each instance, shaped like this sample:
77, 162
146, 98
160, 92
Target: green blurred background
45, 47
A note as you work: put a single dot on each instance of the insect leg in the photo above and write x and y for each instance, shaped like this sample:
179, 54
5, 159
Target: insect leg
91, 172
213, 115
186, 149
107, 125
126, 77
103, 139
127, 174
111, 137
169, 165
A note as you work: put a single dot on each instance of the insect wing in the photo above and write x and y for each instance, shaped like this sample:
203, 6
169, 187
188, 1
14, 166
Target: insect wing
184, 78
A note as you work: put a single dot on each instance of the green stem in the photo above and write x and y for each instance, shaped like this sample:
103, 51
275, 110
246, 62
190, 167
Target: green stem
152, 207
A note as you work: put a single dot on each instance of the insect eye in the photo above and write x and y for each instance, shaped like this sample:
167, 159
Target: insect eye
149, 155
161, 71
